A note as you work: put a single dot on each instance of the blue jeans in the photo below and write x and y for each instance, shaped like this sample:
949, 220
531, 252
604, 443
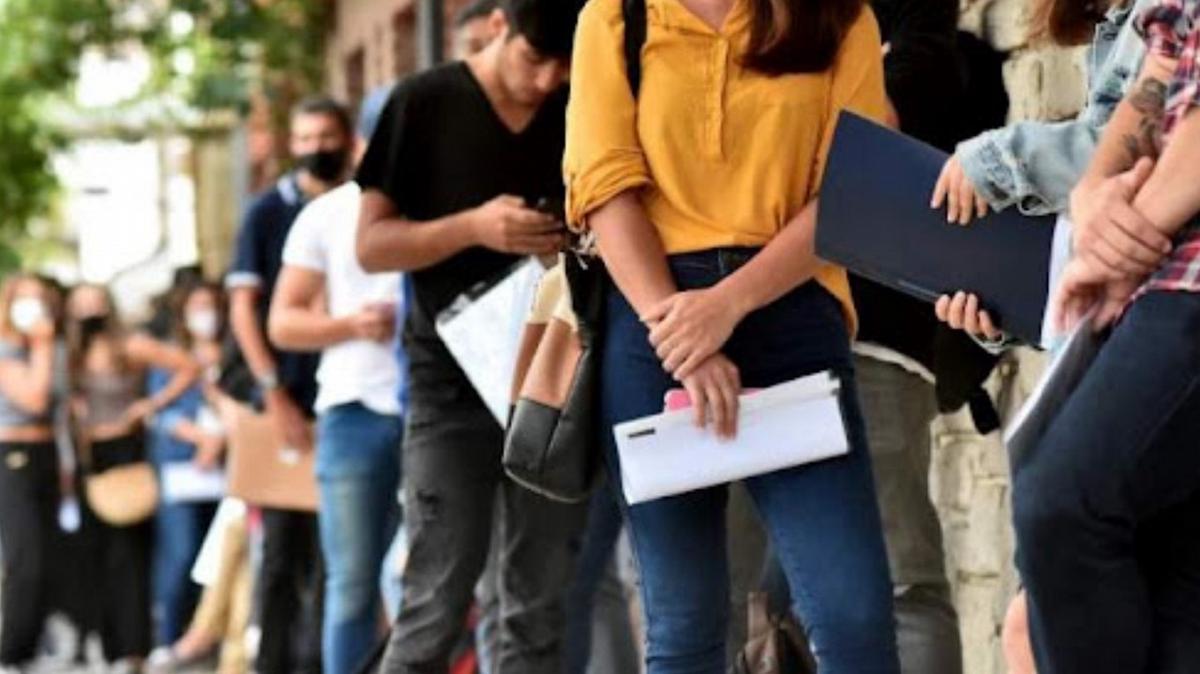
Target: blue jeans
179, 530
596, 598
822, 519
1107, 507
358, 469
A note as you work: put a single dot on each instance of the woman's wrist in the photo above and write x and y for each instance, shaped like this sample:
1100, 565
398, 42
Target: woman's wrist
729, 295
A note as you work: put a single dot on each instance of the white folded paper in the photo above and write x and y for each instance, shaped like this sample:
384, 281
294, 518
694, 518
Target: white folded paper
185, 483
780, 427
208, 561
483, 333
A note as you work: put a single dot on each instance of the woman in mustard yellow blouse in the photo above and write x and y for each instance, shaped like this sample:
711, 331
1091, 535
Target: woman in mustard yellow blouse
701, 188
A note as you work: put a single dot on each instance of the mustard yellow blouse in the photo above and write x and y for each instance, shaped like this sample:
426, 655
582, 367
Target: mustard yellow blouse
723, 156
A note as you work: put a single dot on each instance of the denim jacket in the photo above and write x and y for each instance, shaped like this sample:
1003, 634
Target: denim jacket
1034, 165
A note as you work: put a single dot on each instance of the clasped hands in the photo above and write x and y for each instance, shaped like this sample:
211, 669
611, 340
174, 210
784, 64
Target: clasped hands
1115, 249
687, 331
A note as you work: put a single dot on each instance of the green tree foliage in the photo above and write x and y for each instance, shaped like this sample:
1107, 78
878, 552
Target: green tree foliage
40, 45
209, 54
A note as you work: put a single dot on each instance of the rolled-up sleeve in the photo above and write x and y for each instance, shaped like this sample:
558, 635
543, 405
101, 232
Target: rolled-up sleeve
1171, 30
603, 155
1164, 27
858, 83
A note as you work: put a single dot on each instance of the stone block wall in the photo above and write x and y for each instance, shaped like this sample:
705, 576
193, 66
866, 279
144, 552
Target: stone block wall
970, 477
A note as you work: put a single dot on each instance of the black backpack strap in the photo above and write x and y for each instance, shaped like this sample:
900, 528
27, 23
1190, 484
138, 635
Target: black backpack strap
634, 13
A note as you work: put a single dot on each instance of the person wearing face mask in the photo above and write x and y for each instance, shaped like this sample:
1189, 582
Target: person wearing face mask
360, 421
28, 466
187, 430
108, 368
321, 134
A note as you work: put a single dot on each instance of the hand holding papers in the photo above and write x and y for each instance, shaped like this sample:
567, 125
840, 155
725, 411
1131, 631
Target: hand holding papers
875, 220
780, 427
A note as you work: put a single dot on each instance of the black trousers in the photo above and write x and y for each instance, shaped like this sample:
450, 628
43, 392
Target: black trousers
452, 473
121, 558
291, 582
28, 507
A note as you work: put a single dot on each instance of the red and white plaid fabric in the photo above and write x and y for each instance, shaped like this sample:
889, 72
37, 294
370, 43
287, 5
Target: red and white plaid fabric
1172, 30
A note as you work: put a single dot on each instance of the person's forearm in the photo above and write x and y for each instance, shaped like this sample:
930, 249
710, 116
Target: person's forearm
1171, 196
41, 369
787, 261
397, 244
249, 337
1136, 125
29, 385
632, 252
180, 381
304, 329
188, 432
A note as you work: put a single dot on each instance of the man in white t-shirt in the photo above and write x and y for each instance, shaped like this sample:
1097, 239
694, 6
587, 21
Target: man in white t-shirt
324, 301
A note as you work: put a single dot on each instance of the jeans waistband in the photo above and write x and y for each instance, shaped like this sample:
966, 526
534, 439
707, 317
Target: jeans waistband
722, 261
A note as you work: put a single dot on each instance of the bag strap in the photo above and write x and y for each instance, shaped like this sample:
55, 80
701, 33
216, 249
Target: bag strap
634, 14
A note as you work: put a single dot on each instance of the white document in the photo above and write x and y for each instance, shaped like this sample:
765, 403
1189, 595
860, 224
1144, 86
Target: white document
482, 330
186, 483
1060, 256
1067, 368
788, 425
208, 560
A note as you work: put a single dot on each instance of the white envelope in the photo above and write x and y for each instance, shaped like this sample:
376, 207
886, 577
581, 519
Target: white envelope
208, 561
482, 330
185, 483
780, 427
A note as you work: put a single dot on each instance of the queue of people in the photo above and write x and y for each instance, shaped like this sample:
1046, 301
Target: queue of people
689, 151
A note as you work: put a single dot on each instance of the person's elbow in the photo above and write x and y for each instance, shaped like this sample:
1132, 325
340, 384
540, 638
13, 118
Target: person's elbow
369, 257
277, 330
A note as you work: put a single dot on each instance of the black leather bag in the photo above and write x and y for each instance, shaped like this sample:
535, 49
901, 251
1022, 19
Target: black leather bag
774, 644
554, 441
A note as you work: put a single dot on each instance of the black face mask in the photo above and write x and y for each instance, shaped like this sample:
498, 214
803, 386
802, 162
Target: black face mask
92, 326
326, 165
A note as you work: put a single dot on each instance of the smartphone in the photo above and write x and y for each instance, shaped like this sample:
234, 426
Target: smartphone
553, 207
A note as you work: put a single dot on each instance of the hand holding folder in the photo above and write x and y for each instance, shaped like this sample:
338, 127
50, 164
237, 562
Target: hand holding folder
780, 427
875, 219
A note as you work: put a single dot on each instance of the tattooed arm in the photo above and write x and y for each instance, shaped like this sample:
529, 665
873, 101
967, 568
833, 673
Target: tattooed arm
1109, 233
1171, 196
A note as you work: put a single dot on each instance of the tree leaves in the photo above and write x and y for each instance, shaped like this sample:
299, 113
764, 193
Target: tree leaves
214, 57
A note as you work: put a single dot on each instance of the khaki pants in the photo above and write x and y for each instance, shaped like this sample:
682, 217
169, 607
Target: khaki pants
224, 608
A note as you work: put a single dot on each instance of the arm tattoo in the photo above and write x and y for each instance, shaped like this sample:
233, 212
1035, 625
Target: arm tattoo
1150, 100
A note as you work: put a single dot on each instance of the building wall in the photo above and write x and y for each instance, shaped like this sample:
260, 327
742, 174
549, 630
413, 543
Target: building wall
374, 43
970, 478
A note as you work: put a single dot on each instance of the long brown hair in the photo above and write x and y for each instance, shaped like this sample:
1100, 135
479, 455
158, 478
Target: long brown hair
798, 36
1068, 22
178, 306
78, 343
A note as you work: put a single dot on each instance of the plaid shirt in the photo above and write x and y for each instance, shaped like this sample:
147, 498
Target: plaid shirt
1172, 30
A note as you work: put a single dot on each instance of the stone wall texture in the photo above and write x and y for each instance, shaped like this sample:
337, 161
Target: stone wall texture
970, 477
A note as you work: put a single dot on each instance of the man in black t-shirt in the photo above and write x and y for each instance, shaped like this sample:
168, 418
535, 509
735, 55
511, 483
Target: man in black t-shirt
461, 154
290, 579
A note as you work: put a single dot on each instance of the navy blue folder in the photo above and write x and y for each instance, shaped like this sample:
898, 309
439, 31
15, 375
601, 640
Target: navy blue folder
875, 220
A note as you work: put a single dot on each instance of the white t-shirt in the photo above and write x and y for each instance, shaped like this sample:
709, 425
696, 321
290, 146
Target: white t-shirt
322, 240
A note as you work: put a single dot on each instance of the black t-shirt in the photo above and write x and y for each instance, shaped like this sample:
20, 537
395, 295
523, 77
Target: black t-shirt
440, 148
257, 261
